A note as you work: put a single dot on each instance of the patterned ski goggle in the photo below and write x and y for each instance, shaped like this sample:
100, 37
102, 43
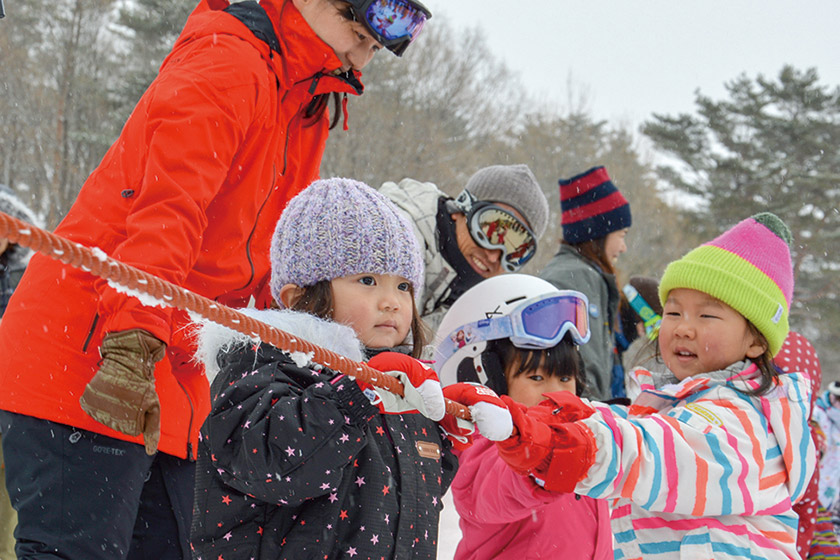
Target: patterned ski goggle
536, 323
393, 23
495, 228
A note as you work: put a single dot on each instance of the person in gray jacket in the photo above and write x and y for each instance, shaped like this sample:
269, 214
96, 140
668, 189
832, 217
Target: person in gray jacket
490, 228
595, 218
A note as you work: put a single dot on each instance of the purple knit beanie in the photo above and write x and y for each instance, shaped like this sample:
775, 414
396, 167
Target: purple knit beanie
339, 227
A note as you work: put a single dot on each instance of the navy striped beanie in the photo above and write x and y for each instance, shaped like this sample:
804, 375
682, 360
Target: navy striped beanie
592, 206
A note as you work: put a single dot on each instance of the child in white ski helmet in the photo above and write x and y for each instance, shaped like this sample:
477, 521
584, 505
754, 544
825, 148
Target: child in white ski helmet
517, 335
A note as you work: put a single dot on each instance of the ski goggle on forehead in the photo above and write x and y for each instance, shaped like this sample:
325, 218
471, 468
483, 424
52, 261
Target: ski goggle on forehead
536, 323
393, 23
495, 228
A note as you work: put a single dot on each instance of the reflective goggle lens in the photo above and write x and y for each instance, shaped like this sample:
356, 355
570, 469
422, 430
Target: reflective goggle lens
395, 20
546, 319
494, 228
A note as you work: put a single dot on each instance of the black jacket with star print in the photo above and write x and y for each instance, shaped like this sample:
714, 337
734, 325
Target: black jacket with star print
295, 463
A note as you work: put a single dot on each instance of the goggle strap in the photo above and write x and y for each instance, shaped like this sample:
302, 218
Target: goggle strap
489, 329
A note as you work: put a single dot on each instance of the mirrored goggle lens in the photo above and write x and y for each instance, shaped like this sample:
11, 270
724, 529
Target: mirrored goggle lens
496, 229
395, 20
547, 318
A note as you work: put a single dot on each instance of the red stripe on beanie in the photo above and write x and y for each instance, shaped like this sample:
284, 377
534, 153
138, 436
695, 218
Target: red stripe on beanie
583, 184
600, 206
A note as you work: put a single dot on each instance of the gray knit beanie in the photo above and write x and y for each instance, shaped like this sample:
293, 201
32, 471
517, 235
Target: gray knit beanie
339, 227
516, 186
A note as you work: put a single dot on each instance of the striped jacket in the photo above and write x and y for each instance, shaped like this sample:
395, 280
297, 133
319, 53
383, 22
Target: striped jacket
698, 469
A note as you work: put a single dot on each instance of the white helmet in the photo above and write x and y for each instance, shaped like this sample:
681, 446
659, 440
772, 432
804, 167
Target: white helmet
463, 334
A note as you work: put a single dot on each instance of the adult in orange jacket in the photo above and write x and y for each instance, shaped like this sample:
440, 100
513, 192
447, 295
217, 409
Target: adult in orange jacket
101, 404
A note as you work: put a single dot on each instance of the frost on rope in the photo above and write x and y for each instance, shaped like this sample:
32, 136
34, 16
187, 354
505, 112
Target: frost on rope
146, 299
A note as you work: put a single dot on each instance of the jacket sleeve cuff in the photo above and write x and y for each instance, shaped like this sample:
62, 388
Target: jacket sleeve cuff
122, 312
351, 398
569, 465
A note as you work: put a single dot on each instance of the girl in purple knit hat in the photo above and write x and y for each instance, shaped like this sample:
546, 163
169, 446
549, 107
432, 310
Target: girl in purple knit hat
298, 461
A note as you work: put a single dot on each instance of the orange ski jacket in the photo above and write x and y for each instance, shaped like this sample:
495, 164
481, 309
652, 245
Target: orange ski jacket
191, 192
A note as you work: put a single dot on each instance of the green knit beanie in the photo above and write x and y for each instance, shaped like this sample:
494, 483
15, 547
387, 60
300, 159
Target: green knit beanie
748, 268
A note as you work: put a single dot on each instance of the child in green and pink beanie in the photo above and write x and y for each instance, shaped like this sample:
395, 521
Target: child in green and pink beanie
748, 268
712, 453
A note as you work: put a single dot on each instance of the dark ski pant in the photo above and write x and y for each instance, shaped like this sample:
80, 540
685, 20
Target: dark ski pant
81, 495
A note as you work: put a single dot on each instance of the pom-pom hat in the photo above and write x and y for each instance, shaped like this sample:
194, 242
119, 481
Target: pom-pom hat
592, 207
339, 227
748, 268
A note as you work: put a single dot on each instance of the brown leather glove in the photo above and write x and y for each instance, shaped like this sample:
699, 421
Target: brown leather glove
122, 394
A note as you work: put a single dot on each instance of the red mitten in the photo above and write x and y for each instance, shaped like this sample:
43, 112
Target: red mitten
567, 407
488, 412
422, 386
557, 454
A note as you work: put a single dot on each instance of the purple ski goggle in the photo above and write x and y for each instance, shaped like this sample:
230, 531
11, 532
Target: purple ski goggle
536, 323
393, 23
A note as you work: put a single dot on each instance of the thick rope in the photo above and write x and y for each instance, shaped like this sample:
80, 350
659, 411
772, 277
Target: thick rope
79, 256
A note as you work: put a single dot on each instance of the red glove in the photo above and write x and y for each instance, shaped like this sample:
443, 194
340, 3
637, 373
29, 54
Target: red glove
422, 387
566, 406
557, 453
488, 412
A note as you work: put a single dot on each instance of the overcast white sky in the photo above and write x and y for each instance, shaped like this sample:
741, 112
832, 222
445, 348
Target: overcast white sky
634, 57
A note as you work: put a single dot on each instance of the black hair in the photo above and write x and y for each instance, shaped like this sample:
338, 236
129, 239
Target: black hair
316, 108
317, 300
561, 360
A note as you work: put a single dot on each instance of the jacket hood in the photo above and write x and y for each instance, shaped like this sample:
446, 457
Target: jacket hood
784, 408
213, 339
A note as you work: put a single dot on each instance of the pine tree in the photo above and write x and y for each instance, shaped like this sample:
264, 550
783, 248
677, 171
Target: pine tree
149, 29
771, 146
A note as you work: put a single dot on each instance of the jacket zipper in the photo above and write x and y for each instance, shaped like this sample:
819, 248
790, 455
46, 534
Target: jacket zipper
90, 332
190, 455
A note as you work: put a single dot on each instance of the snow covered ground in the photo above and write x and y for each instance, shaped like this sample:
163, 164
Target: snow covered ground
448, 532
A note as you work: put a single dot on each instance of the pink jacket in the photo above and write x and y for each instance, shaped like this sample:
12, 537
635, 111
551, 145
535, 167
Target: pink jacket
506, 515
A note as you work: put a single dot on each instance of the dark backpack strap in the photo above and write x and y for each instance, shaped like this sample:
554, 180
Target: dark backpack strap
254, 17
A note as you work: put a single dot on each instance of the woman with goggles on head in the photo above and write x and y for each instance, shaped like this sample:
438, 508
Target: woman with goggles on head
231, 129
490, 228
595, 219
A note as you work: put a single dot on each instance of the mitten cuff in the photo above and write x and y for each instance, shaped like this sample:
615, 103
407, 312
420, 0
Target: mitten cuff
569, 462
